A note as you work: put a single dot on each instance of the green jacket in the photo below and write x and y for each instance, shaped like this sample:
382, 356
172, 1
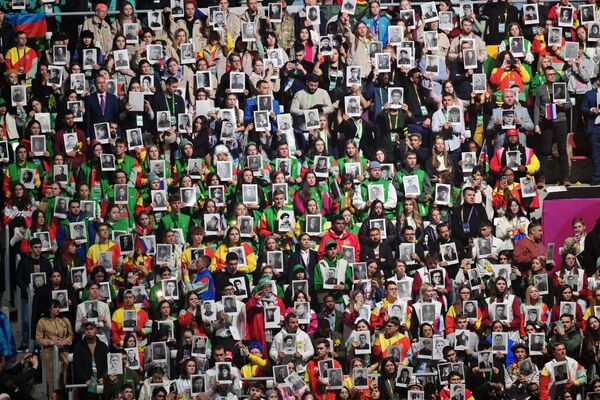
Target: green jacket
424, 184
179, 221
325, 264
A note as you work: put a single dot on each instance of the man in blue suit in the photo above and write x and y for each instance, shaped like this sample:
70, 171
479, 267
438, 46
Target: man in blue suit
590, 108
100, 107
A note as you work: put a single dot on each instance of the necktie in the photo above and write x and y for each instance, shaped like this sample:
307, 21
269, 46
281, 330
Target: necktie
102, 104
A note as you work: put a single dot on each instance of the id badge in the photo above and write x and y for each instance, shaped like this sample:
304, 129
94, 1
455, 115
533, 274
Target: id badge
139, 120
393, 137
501, 27
173, 120
424, 110
466, 228
332, 85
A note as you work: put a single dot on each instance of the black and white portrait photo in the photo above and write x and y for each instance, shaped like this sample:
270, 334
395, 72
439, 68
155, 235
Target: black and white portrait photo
121, 58
107, 162
311, 118
484, 247
62, 297
121, 193
537, 341
528, 187
555, 36
275, 12
508, 119
442, 193
411, 185
159, 352
261, 121
164, 253
325, 45
237, 82
353, 75
77, 231
186, 51
383, 62
239, 285
559, 92
404, 57
55, 75
90, 58
212, 224
406, 251
133, 358
38, 144
408, 16
594, 31
516, 46
154, 53
396, 97
446, 22
570, 51
114, 363
561, 372
17, 95
285, 220
163, 120
130, 31
448, 253
352, 106
430, 39
198, 384
395, 34
126, 243
565, 16
429, 12
248, 31
531, 14
469, 58
500, 342
275, 259
313, 14
225, 172
479, 83
432, 65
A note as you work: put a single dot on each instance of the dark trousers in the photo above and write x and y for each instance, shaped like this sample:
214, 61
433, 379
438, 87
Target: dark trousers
595, 139
554, 131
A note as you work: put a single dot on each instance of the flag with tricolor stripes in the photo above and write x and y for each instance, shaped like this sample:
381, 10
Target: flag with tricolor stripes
484, 158
34, 25
550, 111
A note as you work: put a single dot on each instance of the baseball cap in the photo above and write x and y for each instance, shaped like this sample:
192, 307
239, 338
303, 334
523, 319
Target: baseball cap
374, 164
329, 244
512, 132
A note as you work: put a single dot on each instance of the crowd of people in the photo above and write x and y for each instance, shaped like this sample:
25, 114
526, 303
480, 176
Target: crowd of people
223, 200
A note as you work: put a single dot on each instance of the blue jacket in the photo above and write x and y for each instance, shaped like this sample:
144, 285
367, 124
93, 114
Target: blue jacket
204, 285
590, 102
252, 105
378, 27
8, 347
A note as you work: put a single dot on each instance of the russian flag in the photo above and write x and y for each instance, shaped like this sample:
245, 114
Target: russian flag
34, 25
550, 111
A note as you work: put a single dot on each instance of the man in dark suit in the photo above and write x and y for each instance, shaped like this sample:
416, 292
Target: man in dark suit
377, 250
466, 218
305, 257
100, 106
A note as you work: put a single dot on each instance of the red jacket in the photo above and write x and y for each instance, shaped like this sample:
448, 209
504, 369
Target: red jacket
345, 239
255, 320
312, 377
